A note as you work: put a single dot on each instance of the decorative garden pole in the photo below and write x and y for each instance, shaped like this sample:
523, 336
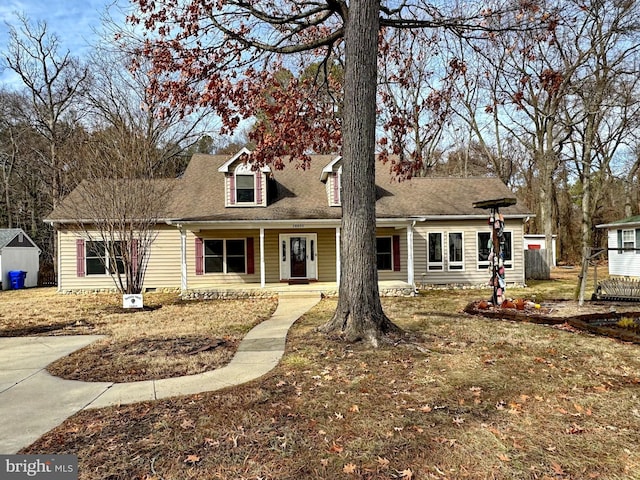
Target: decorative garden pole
496, 256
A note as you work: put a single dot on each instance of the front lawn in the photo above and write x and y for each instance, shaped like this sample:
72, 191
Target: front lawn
476, 399
168, 338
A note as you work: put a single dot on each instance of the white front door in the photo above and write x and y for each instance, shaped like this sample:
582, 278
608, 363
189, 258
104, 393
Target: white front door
298, 256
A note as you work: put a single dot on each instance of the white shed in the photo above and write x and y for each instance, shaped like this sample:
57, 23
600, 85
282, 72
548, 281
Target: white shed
534, 241
624, 246
18, 252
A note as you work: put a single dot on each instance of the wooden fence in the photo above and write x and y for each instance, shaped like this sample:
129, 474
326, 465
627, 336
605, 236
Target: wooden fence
535, 265
47, 279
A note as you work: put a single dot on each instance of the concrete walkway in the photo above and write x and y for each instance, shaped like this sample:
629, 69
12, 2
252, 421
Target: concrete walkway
32, 402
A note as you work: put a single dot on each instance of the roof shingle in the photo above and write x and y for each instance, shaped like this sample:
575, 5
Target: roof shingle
199, 195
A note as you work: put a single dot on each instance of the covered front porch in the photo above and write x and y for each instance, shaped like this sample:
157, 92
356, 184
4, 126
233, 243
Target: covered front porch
282, 256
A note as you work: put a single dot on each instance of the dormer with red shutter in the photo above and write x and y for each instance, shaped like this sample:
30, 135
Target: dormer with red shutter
332, 176
244, 185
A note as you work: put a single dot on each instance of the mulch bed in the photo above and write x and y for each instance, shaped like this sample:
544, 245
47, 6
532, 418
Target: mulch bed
599, 323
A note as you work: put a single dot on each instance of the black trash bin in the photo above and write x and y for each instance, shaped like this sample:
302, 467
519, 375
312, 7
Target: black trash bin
16, 279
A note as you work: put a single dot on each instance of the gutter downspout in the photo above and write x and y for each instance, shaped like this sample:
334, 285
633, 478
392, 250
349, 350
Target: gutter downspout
262, 261
59, 262
183, 259
338, 257
410, 265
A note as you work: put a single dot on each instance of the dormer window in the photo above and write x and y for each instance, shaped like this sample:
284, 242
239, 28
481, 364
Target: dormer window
245, 185
332, 177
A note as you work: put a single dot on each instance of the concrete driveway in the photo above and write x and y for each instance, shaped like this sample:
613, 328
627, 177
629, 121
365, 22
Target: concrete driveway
33, 402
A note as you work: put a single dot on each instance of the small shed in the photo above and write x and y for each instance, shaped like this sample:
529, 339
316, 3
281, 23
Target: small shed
18, 253
534, 241
624, 247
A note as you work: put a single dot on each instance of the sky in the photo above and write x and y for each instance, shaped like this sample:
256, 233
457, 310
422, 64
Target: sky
74, 22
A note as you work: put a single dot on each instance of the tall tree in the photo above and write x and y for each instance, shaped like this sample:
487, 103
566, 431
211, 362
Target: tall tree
120, 101
224, 55
53, 82
117, 205
604, 98
12, 129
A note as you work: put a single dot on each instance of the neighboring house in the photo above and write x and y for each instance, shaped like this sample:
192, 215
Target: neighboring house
534, 241
18, 253
624, 246
229, 225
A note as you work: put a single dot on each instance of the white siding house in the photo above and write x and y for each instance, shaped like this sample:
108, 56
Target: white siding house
624, 247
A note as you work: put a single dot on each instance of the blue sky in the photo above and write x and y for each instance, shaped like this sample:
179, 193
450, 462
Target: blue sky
73, 22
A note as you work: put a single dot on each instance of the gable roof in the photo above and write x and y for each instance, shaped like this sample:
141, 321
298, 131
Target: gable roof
7, 235
224, 168
107, 194
293, 193
330, 167
299, 194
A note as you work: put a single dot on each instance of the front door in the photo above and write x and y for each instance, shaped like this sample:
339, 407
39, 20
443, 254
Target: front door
298, 248
298, 256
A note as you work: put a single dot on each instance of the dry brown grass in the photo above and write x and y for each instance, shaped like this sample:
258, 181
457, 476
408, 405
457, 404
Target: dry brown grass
159, 342
478, 399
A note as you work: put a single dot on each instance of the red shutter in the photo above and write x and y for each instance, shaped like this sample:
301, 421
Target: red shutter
80, 258
251, 260
232, 189
199, 256
336, 189
259, 187
396, 253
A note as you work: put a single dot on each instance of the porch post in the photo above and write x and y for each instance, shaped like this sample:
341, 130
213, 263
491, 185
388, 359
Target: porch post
262, 267
410, 277
183, 259
338, 256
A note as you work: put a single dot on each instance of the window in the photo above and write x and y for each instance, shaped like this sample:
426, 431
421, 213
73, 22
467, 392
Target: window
245, 188
95, 258
434, 261
456, 251
100, 260
484, 249
628, 239
507, 250
235, 256
384, 253
214, 256
224, 256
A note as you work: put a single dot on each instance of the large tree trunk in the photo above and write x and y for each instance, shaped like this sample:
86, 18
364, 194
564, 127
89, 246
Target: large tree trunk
359, 315
546, 210
585, 237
